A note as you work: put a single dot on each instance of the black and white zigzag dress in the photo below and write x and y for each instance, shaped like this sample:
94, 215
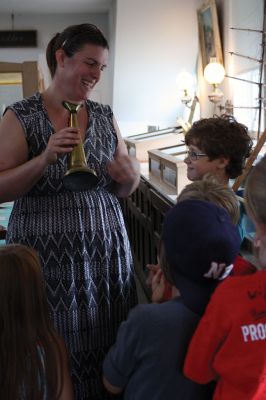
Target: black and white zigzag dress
82, 242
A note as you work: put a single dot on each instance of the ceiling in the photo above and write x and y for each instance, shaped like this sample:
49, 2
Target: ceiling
53, 6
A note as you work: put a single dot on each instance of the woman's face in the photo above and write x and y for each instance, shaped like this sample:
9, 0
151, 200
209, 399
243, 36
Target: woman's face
83, 70
197, 168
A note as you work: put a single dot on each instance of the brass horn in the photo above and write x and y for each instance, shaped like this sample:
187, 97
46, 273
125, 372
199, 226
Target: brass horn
78, 176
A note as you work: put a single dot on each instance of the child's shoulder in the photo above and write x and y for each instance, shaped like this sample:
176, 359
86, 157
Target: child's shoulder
155, 308
154, 321
157, 311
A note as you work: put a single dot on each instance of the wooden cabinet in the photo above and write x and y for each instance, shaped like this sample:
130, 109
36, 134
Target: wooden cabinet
138, 145
167, 167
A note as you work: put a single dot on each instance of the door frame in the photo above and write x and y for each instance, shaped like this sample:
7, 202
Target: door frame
30, 76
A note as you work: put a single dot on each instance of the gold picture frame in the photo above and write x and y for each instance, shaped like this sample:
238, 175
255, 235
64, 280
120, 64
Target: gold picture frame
209, 34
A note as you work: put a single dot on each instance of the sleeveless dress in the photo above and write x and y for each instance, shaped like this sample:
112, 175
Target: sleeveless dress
82, 243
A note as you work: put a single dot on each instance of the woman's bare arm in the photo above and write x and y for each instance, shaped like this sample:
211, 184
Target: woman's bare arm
18, 174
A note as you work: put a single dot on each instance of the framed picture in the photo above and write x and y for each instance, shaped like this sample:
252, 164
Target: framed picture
209, 35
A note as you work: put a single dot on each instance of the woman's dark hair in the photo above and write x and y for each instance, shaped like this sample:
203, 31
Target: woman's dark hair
222, 137
26, 329
71, 40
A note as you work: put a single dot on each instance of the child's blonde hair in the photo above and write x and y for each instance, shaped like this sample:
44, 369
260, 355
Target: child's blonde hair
206, 189
209, 189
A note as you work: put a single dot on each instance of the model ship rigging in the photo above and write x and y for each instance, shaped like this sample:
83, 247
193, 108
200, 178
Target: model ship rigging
261, 137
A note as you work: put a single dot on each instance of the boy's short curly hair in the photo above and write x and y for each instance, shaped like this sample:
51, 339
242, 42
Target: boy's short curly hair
222, 136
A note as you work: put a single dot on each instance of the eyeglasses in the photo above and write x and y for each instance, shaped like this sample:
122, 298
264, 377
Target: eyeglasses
194, 156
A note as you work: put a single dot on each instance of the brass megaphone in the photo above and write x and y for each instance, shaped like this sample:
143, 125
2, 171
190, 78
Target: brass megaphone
78, 176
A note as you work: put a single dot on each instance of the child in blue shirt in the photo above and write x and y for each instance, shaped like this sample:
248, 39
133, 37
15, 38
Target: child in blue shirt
198, 246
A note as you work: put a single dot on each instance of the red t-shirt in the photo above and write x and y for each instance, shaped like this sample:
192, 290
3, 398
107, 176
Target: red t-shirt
229, 344
242, 267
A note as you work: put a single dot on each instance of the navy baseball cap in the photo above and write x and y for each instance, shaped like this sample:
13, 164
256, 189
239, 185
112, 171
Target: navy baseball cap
201, 244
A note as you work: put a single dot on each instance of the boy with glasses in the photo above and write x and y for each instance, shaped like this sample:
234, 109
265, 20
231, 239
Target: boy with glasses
218, 145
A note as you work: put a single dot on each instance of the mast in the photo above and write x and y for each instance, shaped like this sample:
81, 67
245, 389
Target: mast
262, 71
261, 97
262, 77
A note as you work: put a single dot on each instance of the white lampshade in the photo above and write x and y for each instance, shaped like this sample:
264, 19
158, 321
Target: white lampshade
185, 80
214, 72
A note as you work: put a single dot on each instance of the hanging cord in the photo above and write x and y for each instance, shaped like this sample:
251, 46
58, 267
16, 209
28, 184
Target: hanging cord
12, 21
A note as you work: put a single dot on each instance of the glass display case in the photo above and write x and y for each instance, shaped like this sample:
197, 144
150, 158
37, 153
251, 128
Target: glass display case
138, 145
167, 167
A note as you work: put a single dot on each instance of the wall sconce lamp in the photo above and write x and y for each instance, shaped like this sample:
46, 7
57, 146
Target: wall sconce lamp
214, 74
185, 98
185, 81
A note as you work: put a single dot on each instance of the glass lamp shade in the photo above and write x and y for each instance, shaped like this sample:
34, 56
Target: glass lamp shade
214, 73
185, 80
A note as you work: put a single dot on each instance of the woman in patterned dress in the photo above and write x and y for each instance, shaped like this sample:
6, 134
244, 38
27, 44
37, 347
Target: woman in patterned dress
80, 236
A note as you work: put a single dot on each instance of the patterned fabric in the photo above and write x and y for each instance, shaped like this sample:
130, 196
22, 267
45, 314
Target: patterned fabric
82, 242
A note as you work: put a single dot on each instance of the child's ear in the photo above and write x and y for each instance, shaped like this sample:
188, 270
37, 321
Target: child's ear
223, 162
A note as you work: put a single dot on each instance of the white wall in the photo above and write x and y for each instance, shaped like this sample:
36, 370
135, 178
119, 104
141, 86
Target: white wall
47, 25
155, 40
151, 41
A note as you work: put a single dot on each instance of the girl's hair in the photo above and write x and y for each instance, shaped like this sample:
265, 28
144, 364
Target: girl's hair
71, 40
25, 329
209, 189
222, 136
255, 192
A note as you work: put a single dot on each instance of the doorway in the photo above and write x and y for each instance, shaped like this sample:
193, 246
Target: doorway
17, 80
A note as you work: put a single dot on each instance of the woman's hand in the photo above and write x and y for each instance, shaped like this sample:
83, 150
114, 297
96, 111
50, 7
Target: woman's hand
61, 142
155, 280
152, 269
125, 171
